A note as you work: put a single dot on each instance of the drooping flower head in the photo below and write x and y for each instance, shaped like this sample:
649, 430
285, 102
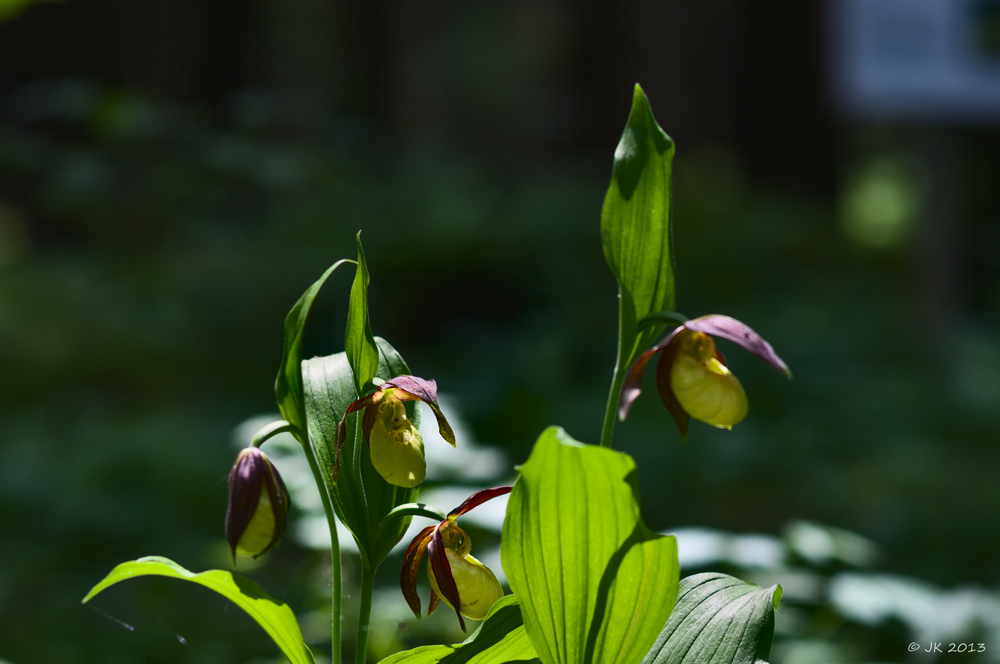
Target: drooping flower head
464, 583
258, 505
692, 377
397, 449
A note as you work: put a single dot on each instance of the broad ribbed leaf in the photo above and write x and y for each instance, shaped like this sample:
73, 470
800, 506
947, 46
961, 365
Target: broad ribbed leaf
360, 496
359, 343
595, 584
635, 228
500, 638
718, 620
288, 384
275, 617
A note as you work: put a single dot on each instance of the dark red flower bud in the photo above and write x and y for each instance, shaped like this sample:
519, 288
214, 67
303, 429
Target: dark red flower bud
258, 505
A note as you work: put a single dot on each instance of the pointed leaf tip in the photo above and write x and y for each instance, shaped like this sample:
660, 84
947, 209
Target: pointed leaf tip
288, 384
635, 227
359, 342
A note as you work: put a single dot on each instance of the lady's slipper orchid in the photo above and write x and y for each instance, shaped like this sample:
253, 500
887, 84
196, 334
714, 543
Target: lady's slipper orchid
464, 583
258, 505
397, 449
692, 377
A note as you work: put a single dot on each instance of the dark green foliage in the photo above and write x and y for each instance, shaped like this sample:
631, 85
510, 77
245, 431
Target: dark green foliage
718, 620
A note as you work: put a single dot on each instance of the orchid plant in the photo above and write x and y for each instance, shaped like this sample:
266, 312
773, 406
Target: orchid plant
590, 582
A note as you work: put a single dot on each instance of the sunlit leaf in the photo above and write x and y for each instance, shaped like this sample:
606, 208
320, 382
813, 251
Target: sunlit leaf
718, 620
636, 234
275, 617
500, 638
635, 225
595, 584
361, 497
288, 385
359, 343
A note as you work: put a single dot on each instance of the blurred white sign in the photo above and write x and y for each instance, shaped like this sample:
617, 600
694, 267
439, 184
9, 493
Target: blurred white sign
925, 60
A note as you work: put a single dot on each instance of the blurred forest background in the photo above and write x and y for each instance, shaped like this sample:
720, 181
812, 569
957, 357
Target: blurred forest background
174, 173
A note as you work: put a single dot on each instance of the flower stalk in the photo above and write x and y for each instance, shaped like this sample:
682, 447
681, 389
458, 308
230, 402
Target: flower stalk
364, 614
610, 413
335, 568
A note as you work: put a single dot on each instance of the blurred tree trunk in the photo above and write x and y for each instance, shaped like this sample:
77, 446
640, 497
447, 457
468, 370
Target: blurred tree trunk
941, 254
785, 128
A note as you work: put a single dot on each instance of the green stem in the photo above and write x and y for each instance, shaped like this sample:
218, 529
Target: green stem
611, 413
273, 429
364, 616
410, 509
331, 518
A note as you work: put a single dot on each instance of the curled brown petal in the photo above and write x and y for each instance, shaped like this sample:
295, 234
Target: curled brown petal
341, 435
632, 385
411, 565
368, 422
666, 391
435, 600
442, 573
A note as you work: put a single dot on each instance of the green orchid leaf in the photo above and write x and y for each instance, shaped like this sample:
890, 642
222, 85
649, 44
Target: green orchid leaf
361, 498
500, 638
636, 234
288, 385
359, 343
635, 226
718, 620
595, 584
275, 617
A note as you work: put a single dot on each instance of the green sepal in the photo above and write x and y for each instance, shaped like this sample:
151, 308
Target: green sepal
275, 617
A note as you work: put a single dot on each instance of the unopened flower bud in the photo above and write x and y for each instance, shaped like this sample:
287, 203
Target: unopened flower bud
258, 505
